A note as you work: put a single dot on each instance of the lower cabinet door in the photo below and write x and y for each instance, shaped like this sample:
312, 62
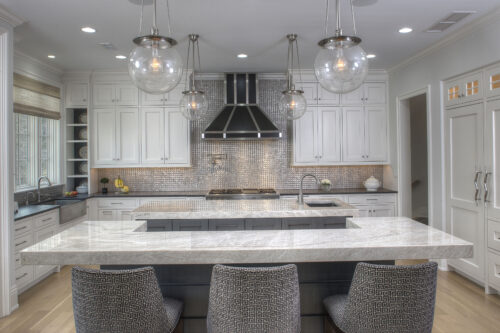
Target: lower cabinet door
263, 224
334, 222
297, 223
40, 235
190, 225
382, 211
226, 224
24, 276
106, 215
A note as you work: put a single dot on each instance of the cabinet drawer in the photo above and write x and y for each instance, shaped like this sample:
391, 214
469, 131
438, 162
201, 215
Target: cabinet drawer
226, 224
370, 199
117, 203
190, 225
17, 260
23, 242
24, 275
46, 220
494, 235
22, 226
263, 224
494, 269
294, 223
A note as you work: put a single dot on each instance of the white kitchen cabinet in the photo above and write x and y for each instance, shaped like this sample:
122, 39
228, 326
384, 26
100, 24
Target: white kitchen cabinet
463, 90
153, 99
165, 137
491, 178
364, 134
326, 97
116, 136
175, 95
315, 94
492, 84
317, 138
367, 93
109, 94
76, 95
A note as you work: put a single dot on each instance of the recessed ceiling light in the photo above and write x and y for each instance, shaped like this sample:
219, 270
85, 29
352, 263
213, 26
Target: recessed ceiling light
371, 56
88, 30
120, 57
242, 56
405, 30
51, 56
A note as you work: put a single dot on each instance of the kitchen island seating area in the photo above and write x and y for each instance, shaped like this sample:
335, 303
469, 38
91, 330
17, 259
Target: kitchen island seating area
381, 298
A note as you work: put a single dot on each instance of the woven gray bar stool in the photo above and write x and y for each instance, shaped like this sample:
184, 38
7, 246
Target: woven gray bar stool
121, 301
254, 300
385, 298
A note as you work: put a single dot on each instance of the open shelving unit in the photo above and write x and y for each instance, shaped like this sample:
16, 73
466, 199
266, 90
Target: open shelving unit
77, 160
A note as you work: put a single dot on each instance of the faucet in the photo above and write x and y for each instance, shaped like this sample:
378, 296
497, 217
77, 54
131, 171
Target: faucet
28, 197
301, 194
39, 181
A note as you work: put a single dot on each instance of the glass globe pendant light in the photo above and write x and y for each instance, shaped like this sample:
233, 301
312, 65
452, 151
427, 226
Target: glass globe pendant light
292, 103
341, 65
193, 102
154, 64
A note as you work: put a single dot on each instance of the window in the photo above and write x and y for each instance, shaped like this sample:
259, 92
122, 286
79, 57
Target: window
36, 150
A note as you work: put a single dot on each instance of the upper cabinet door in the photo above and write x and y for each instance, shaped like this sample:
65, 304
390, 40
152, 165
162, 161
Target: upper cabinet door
152, 99
104, 94
491, 179
126, 95
174, 96
472, 87
326, 97
375, 134
329, 135
453, 93
76, 95
310, 91
304, 138
177, 137
355, 97
153, 136
353, 143
493, 82
103, 132
127, 136
374, 93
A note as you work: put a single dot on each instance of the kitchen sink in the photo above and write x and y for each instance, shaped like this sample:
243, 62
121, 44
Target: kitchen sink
321, 203
69, 209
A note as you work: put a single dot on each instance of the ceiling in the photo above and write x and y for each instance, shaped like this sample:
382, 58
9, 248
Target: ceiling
226, 28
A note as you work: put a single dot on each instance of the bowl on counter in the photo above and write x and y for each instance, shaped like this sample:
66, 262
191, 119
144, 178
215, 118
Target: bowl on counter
82, 189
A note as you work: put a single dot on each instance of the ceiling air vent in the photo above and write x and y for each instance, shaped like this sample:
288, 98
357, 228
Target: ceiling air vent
107, 45
450, 20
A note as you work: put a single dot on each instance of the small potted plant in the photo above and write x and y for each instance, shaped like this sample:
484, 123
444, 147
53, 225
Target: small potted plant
326, 184
104, 181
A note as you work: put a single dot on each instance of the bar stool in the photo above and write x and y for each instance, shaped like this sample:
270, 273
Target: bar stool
254, 299
385, 298
121, 301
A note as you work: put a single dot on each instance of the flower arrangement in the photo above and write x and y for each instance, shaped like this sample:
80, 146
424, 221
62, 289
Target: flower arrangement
326, 184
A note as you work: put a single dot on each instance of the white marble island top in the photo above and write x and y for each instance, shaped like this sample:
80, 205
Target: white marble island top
234, 209
128, 243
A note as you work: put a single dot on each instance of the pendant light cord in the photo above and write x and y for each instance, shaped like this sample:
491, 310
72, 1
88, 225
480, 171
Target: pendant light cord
193, 87
168, 20
353, 19
187, 66
326, 17
154, 16
298, 63
140, 19
337, 8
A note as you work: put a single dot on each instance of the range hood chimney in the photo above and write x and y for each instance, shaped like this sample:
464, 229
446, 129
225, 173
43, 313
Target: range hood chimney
241, 118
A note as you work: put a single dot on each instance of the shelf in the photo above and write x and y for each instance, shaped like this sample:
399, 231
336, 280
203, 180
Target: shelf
78, 176
78, 159
76, 125
77, 141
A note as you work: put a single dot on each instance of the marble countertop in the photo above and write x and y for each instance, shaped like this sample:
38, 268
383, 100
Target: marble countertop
128, 243
233, 209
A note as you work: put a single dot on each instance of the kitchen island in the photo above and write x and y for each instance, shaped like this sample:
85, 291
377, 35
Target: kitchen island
326, 258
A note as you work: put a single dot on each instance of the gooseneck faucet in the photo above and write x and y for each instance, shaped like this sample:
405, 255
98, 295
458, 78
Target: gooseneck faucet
39, 181
301, 194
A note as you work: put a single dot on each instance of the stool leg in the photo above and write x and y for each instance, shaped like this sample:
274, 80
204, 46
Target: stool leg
180, 327
329, 326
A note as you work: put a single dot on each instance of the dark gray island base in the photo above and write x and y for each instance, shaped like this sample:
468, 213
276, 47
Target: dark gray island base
191, 284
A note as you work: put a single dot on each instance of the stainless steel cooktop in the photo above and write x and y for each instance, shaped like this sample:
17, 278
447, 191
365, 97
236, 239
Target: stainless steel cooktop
244, 193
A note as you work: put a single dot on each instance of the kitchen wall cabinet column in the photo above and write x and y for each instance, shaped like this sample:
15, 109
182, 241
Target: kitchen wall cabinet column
111, 94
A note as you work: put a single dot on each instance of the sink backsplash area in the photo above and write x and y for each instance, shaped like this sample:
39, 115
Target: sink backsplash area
239, 164
47, 193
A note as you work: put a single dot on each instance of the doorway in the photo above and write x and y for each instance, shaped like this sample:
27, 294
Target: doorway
414, 164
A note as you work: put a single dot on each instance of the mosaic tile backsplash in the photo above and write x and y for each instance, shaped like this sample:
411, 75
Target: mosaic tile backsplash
239, 164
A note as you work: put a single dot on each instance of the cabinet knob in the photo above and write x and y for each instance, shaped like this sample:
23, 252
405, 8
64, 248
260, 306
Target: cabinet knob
84, 99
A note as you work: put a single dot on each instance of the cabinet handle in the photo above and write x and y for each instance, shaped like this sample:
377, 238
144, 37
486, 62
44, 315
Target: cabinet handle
476, 186
371, 199
20, 277
19, 229
47, 219
116, 203
485, 186
17, 244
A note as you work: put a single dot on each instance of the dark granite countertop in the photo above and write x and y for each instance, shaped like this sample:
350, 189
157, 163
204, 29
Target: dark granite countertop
151, 194
336, 191
27, 211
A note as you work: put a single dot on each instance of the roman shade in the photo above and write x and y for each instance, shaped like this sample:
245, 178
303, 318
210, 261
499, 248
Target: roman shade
36, 98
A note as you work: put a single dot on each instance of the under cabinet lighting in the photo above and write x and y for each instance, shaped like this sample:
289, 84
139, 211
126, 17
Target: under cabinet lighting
405, 30
88, 30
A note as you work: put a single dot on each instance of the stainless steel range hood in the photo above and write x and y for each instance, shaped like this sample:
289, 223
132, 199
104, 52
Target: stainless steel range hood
241, 118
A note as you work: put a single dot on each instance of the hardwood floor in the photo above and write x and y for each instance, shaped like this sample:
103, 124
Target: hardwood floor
461, 306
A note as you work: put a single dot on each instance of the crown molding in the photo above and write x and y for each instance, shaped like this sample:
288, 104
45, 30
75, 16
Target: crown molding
36, 69
458, 34
10, 18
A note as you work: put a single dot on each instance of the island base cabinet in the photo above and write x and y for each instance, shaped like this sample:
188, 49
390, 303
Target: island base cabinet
262, 224
226, 224
190, 225
191, 284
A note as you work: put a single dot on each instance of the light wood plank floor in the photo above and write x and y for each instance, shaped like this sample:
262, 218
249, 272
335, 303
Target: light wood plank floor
461, 306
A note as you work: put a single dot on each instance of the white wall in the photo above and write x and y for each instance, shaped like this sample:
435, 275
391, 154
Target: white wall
472, 47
